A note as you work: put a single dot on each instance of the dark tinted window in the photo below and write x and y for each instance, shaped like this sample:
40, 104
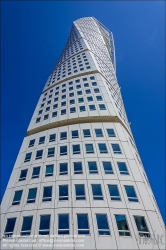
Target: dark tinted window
36, 172
10, 226
26, 225
80, 191
44, 227
17, 197
63, 224
23, 174
83, 225
32, 195
102, 223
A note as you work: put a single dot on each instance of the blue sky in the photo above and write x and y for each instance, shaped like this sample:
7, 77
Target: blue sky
33, 37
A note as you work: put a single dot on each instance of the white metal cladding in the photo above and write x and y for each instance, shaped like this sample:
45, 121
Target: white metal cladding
92, 169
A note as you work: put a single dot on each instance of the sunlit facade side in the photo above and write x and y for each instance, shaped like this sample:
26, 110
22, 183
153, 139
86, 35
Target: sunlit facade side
78, 171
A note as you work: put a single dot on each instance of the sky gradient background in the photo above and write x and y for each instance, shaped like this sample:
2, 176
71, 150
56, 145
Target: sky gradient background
33, 37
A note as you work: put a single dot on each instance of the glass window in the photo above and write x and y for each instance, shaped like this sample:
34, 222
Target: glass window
102, 224
102, 107
82, 108
78, 86
47, 194
52, 137
26, 226
102, 148
123, 168
23, 174
51, 152
27, 157
111, 132
86, 85
97, 192
107, 167
83, 225
49, 170
72, 101
92, 107
63, 135
63, 104
92, 78
63, 224
56, 99
63, 192
63, 168
71, 94
44, 227
92, 167
89, 148
77, 167
80, 191
89, 98
71, 88
76, 149
10, 227
55, 106
141, 226
131, 194
122, 225
79, 92
78, 80
63, 150
99, 98
31, 143
94, 84
114, 192
81, 99
99, 132
36, 172
74, 134
39, 154
63, 96
87, 91
72, 110
54, 114
42, 140
17, 197
84, 79
96, 90
38, 119
86, 133
63, 111
116, 149
47, 109
32, 195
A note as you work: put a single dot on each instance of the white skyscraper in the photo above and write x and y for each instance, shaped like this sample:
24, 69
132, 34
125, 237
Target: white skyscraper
78, 171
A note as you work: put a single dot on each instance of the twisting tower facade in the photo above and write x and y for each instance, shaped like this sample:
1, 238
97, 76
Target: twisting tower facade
78, 172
